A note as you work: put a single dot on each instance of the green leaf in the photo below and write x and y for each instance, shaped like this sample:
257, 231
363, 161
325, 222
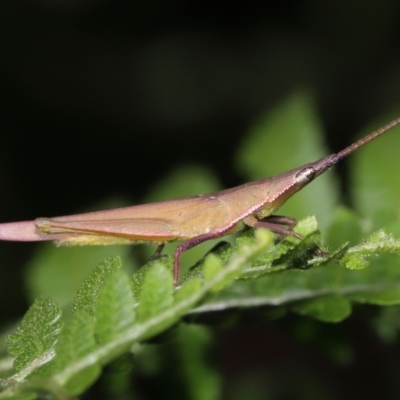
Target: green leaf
290, 252
78, 359
189, 288
378, 243
377, 284
212, 265
327, 309
86, 296
375, 182
193, 343
222, 250
285, 138
140, 275
156, 294
32, 344
76, 341
386, 297
114, 313
346, 227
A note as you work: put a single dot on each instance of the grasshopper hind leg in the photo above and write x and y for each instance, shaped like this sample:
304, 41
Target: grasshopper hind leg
192, 242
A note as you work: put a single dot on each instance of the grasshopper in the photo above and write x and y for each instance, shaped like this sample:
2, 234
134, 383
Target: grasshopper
191, 220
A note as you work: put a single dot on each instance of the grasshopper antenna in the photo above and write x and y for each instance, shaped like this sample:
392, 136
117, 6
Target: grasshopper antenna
348, 150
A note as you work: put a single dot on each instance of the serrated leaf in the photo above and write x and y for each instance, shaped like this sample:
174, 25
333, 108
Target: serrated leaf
86, 296
187, 289
157, 292
139, 276
263, 238
222, 250
212, 265
114, 312
290, 252
32, 344
157, 309
377, 284
378, 243
76, 341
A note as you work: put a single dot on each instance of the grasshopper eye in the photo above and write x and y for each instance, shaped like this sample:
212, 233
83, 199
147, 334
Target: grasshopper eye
304, 175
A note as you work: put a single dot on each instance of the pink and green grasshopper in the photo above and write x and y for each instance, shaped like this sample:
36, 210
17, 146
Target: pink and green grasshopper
191, 220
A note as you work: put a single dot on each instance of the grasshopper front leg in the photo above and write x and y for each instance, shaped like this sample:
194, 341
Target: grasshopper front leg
279, 224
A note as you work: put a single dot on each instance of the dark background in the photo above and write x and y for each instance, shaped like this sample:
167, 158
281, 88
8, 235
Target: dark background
103, 98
